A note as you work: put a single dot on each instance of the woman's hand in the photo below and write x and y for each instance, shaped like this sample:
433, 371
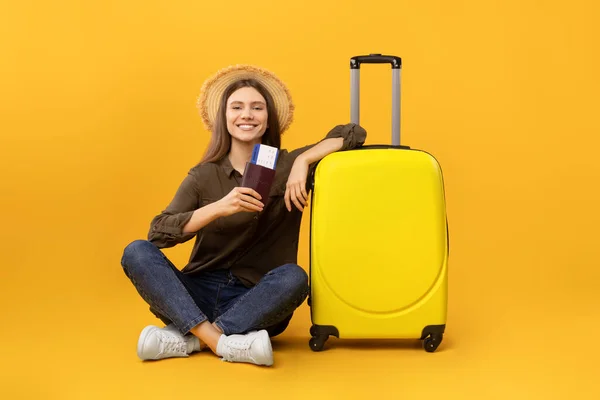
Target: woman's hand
295, 191
240, 199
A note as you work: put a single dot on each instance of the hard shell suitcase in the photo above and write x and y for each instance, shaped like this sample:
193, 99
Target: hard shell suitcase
379, 241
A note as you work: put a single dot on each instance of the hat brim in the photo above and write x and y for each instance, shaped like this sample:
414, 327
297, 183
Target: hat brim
213, 88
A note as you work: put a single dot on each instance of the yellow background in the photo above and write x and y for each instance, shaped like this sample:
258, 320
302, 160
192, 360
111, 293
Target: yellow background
98, 127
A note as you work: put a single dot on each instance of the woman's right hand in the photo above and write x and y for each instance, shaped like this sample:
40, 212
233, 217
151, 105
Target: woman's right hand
240, 199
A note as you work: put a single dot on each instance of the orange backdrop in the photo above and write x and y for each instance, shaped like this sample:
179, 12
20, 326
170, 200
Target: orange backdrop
99, 126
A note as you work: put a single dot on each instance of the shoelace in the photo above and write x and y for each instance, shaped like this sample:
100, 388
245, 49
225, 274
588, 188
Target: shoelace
237, 350
172, 344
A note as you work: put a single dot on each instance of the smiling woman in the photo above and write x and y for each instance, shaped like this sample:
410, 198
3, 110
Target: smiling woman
247, 115
242, 283
244, 102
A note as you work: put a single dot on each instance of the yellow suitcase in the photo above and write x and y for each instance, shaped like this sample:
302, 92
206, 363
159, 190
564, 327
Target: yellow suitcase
378, 238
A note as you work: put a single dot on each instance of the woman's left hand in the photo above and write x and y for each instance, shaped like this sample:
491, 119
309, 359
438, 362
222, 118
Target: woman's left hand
295, 191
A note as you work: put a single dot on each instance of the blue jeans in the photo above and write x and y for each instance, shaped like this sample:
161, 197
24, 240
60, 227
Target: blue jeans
187, 300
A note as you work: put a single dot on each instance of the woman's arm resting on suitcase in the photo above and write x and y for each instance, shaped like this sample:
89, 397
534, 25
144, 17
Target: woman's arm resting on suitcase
341, 137
295, 191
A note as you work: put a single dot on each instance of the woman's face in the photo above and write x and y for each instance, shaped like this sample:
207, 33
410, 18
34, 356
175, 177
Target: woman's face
246, 115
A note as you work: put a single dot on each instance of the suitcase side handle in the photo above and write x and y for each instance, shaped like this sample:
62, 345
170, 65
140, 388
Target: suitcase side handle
396, 64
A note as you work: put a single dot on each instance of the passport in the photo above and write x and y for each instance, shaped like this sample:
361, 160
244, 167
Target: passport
260, 171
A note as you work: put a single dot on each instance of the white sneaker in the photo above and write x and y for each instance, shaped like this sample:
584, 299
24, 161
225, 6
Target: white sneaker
254, 347
157, 343
192, 340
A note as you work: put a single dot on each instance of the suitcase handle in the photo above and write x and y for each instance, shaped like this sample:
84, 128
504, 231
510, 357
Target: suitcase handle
396, 64
375, 59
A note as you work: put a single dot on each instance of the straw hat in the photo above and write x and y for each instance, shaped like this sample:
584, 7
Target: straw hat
213, 88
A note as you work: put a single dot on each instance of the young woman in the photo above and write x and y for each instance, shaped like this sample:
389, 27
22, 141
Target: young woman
242, 284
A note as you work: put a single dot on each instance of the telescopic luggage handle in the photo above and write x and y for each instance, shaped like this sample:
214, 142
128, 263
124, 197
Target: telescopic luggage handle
396, 63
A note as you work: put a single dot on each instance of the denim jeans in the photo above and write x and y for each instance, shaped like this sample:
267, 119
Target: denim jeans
186, 300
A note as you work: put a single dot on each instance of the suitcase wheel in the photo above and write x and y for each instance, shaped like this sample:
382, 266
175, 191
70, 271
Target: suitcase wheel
431, 343
320, 334
317, 342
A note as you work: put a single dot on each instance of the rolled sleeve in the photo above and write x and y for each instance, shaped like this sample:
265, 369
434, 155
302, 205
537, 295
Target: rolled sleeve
354, 135
166, 229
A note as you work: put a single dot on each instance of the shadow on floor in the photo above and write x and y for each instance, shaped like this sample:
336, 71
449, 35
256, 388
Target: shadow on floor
293, 343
